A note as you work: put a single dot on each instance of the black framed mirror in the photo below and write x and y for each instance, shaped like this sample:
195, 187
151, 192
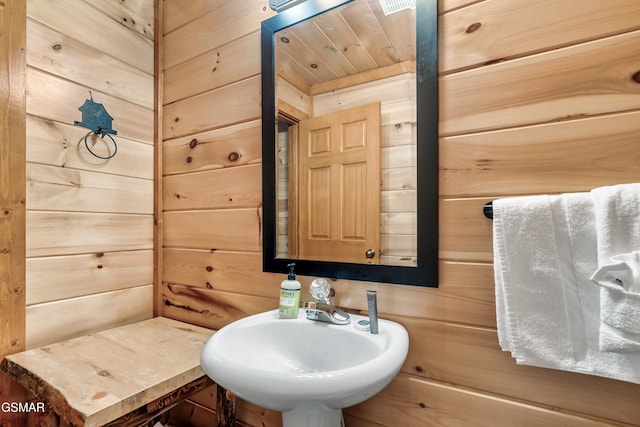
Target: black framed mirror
421, 266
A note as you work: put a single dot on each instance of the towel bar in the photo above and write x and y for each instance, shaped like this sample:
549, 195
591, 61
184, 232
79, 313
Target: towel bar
487, 210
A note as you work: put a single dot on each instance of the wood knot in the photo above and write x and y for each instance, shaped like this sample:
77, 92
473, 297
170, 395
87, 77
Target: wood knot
209, 268
495, 61
104, 373
6, 212
233, 156
99, 254
189, 159
636, 77
99, 395
57, 46
193, 143
473, 27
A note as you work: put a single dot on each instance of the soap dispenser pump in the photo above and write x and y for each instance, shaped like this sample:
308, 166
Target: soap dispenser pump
289, 295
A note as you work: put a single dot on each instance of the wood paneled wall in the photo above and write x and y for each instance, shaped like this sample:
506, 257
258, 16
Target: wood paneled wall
535, 97
13, 39
89, 222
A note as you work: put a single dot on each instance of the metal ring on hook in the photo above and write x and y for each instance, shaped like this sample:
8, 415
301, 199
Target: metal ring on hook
115, 146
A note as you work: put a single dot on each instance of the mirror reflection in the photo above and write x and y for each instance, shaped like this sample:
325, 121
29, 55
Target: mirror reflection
350, 138
345, 105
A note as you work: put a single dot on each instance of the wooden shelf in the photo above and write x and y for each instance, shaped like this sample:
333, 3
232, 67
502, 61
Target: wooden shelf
141, 368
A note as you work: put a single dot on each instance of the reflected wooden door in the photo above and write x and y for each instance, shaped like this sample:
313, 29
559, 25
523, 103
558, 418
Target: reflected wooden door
339, 186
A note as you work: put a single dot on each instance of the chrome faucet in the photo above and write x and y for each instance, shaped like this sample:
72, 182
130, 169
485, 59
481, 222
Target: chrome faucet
372, 304
323, 310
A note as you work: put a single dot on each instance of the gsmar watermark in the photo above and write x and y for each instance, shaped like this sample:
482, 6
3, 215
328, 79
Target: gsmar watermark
22, 407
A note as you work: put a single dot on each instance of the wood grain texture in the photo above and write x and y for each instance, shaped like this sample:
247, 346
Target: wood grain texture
577, 81
90, 220
575, 155
65, 189
130, 120
227, 64
79, 19
228, 22
12, 195
199, 190
239, 272
97, 378
158, 84
60, 54
418, 402
229, 146
136, 15
472, 358
229, 229
489, 31
62, 233
58, 320
209, 308
54, 278
181, 12
62, 144
236, 103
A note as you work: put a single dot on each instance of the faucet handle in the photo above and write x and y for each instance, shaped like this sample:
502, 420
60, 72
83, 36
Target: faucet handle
320, 289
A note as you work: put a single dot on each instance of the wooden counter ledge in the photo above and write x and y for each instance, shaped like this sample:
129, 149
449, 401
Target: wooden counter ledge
131, 371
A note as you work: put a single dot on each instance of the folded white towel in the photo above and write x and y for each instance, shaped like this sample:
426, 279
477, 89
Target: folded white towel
617, 215
617, 220
548, 310
535, 277
620, 303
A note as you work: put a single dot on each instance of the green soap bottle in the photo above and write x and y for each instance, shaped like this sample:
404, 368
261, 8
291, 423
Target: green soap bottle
289, 295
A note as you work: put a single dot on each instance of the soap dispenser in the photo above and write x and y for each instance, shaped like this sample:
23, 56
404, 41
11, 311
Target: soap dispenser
289, 295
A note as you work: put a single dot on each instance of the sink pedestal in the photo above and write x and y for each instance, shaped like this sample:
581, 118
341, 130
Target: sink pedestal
312, 415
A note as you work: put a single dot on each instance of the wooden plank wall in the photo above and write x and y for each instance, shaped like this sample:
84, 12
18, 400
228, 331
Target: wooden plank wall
13, 64
89, 222
535, 97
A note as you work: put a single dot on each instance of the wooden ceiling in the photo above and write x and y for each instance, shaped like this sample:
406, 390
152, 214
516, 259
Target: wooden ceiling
352, 39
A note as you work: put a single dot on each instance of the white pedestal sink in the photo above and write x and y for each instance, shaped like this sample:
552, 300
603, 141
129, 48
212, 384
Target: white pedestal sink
307, 370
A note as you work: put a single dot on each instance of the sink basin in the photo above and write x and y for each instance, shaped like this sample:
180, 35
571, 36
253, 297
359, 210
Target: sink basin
307, 370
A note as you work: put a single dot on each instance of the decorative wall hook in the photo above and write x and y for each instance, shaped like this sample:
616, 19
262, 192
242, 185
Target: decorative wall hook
96, 118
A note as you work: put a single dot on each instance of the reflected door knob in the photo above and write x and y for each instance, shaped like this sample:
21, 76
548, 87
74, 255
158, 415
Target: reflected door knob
370, 253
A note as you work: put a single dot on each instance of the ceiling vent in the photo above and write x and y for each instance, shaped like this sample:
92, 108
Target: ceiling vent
280, 5
393, 6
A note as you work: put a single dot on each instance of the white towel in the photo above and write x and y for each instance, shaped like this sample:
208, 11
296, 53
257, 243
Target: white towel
547, 308
617, 217
535, 279
620, 303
